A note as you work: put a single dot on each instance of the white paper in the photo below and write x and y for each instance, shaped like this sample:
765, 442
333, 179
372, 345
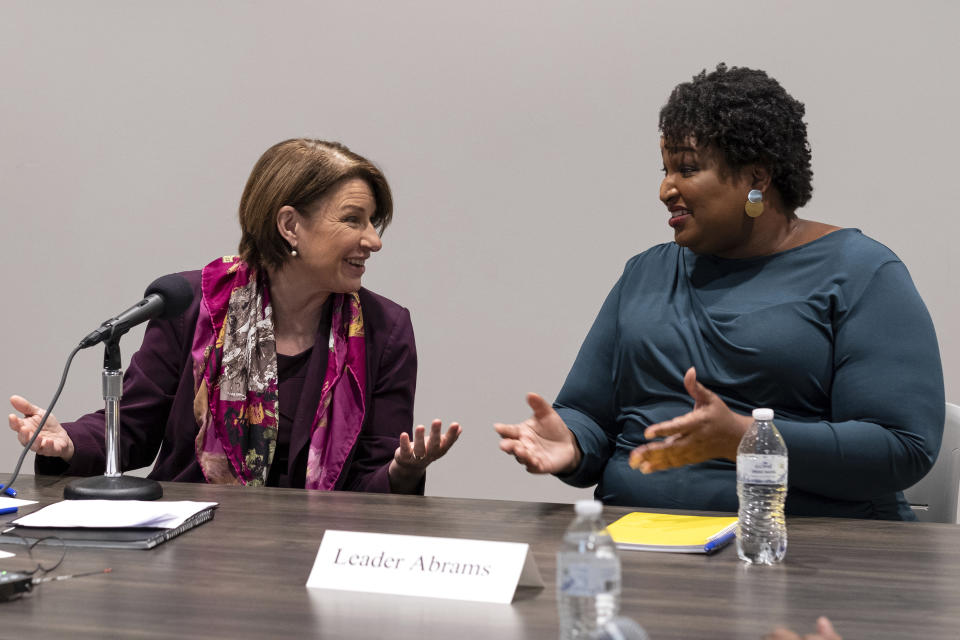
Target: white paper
7, 503
453, 568
114, 513
4, 554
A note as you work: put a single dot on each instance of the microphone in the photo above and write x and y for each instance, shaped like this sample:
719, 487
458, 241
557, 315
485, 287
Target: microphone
166, 297
620, 628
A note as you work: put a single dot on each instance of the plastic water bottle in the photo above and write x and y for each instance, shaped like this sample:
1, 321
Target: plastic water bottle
588, 574
762, 489
620, 628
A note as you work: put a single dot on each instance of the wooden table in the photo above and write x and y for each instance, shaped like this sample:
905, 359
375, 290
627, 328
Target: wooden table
242, 575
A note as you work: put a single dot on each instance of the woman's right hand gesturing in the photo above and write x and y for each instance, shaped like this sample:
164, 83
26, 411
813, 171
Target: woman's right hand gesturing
54, 441
542, 443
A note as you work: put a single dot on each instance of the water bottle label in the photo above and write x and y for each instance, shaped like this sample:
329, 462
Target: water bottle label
588, 579
762, 469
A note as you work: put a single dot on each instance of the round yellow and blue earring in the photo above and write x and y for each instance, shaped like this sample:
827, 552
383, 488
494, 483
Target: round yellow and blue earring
754, 205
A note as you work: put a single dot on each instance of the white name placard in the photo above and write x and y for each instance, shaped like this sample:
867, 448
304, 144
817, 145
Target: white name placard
452, 568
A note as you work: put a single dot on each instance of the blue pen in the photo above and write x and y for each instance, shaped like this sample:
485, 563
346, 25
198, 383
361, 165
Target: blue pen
8, 510
716, 543
10, 491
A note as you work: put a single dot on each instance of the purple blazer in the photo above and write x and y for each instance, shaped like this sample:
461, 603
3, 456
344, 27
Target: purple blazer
156, 410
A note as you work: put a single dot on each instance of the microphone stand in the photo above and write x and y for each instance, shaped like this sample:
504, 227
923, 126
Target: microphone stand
112, 485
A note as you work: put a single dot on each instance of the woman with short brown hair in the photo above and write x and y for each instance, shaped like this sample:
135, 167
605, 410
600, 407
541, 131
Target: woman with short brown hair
283, 371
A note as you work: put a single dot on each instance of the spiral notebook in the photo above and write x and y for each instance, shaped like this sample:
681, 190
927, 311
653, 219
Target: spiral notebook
642, 531
119, 524
104, 538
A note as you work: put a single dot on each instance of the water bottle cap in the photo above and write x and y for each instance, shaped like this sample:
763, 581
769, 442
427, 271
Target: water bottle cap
763, 414
588, 507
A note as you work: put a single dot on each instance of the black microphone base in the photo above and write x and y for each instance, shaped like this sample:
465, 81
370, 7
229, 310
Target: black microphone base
113, 488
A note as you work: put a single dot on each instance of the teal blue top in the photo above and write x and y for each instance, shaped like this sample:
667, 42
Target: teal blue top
831, 335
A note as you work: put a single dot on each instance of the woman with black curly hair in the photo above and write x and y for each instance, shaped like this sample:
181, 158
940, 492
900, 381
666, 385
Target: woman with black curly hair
750, 306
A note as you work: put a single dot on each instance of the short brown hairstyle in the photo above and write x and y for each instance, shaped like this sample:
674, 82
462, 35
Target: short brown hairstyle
298, 172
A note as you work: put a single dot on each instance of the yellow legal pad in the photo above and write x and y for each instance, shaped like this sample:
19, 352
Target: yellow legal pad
667, 532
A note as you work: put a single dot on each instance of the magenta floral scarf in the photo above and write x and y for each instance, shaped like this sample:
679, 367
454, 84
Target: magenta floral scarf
235, 378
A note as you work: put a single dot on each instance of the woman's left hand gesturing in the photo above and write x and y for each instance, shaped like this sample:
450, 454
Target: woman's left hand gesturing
710, 431
412, 457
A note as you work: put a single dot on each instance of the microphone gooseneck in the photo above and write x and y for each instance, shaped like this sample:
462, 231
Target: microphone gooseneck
166, 297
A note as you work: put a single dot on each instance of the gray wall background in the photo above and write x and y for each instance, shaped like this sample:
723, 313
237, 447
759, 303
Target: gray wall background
519, 137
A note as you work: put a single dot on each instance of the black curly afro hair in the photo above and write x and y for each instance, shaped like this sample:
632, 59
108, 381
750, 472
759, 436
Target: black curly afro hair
748, 118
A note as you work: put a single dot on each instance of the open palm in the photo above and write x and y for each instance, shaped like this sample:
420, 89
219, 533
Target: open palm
53, 441
542, 442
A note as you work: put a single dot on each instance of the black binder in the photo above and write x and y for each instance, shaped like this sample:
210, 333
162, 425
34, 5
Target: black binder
103, 538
